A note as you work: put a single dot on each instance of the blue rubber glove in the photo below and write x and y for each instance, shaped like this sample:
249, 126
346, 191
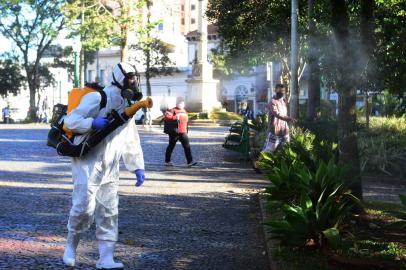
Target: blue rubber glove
140, 174
100, 123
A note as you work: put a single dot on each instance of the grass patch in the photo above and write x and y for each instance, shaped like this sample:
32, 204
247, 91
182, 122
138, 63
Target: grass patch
216, 115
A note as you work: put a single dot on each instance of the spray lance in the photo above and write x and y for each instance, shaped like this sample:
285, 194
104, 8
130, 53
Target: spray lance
67, 148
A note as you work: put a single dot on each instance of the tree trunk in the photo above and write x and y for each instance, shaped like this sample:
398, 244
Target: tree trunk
82, 68
366, 106
313, 101
148, 52
32, 113
82, 74
147, 71
368, 46
124, 49
346, 86
294, 93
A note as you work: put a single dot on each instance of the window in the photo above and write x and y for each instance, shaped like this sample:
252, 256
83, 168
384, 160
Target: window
182, 21
102, 76
193, 21
161, 27
90, 77
182, 7
192, 7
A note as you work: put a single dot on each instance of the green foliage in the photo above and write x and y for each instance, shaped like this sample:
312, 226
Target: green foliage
32, 26
288, 181
159, 61
96, 28
260, 123
391, 45
312, 189
315, 223
389, 105
259, 127
324, 129
383, 146
102, 23
255, 33
11, 79
219, 115
303, 147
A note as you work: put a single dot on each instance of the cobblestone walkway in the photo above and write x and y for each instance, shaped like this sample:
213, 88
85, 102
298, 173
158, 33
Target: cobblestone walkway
181, 218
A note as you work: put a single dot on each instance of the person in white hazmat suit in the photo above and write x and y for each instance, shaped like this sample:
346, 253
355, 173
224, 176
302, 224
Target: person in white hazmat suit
96, 175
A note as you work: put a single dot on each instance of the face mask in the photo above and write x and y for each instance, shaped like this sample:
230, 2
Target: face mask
131, 92
280, 95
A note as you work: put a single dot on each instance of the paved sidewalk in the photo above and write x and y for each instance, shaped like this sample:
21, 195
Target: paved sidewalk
200, 218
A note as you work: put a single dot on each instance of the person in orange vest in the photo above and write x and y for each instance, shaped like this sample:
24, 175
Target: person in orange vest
178, 132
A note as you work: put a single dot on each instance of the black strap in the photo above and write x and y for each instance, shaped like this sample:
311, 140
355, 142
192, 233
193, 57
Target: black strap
103, 101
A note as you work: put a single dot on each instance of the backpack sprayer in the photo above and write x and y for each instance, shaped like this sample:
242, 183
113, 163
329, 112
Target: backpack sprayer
64, 145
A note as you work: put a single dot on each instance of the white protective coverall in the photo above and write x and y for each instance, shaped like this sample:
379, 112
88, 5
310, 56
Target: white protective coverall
96, 175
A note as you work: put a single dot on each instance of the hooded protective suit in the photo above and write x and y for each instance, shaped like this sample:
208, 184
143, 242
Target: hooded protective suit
96, 175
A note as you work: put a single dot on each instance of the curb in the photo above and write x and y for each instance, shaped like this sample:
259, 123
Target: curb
267, 235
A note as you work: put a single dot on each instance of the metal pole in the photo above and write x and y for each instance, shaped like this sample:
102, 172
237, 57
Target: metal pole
76, 71
294, 101
97, 67
60, 91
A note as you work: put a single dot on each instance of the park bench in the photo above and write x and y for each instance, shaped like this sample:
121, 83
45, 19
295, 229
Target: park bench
238, 138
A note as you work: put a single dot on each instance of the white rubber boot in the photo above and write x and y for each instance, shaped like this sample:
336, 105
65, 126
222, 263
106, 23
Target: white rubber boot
106, 260
69, 256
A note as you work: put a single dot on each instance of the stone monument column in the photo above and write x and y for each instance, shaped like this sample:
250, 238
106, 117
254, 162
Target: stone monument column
201, 87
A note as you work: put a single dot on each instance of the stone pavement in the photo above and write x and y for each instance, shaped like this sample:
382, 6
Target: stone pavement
200, 218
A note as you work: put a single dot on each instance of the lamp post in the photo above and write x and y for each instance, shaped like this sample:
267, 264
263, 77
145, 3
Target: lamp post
76, 46
294, 101
60, 86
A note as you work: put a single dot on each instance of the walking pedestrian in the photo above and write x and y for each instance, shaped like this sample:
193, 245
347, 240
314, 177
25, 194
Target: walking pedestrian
6, 114
278, 128
96, 175
148, 117
176, 126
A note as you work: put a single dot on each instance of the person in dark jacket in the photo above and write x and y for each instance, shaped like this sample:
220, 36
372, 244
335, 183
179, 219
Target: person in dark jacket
179, 114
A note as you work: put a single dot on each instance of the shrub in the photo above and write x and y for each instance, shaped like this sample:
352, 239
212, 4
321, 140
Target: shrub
315, 224
383, 146
312, 190
302, 147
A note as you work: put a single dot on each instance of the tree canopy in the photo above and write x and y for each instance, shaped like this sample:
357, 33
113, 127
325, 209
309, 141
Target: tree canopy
11, 79
31, 26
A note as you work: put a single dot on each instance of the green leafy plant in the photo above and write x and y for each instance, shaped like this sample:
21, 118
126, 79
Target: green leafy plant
287, 185
302, 147
315, 224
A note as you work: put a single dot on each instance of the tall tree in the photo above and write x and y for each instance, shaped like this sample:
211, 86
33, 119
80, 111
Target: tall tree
32, 26
367, 28
347, 77
390, 36
103, 23
257, 32
155, 52
313, 101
